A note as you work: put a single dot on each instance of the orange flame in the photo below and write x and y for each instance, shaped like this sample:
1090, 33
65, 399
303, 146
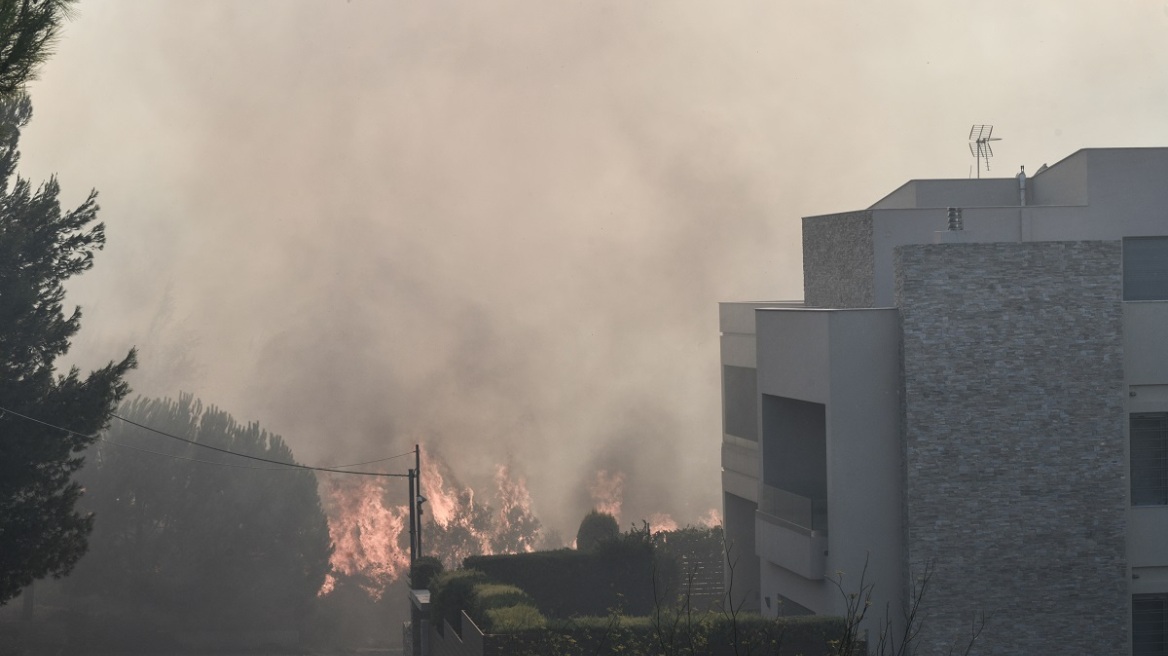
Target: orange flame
370, 533
659, 522
608, 490
366, 530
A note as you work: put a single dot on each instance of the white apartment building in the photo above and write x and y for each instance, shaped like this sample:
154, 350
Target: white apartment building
983, 392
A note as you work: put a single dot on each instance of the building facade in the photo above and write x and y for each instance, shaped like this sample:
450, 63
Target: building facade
980, 393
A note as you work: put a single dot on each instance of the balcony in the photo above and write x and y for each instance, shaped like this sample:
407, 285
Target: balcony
785, 533
809, 515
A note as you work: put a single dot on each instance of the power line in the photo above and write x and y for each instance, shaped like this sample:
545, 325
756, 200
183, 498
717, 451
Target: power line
178, 457
286, 465
370, 462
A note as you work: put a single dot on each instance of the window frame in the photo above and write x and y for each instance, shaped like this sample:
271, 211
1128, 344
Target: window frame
1148, 453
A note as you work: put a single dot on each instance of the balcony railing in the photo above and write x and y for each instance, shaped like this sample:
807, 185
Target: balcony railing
810, 514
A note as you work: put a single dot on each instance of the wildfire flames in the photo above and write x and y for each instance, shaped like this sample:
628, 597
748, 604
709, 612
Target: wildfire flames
608, 491
370, 531
370, 528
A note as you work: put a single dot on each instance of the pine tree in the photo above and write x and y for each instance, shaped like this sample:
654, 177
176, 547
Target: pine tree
41, 531
28, 29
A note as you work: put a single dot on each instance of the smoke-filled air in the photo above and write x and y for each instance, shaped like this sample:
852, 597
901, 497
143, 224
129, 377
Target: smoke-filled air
501, 230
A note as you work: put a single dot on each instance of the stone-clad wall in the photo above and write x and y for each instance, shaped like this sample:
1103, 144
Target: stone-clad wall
1014, 442
838, 265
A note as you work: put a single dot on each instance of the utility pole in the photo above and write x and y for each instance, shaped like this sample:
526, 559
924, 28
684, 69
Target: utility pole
418, 498
413, 521
416, 501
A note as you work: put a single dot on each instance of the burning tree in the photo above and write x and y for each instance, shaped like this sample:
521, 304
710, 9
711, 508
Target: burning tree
369, 524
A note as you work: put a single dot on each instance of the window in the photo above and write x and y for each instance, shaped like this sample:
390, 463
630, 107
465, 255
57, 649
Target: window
1145, 269
1149, 458
740, 401
1150, 625
794, 461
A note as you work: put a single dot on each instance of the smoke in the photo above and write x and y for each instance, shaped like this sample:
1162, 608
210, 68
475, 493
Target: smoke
502, 230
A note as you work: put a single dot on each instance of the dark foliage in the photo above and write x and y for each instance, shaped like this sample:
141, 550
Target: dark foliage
203, 545
690, 563
423, 571
41, 531
595, 529
618, 574
713, 636
28, 29
451, 593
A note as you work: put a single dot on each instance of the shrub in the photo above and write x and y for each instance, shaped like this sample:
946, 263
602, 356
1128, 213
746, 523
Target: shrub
509, 619
423, 571
491, 596
450, 593
595, 529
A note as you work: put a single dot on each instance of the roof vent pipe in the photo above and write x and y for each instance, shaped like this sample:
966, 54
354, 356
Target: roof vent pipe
1022, 187
955, 219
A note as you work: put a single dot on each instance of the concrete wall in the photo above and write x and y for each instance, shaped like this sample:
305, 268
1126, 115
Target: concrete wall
837, 260
985, 192
849, 361
1015, 452
741, 467
1065, 183
742, 573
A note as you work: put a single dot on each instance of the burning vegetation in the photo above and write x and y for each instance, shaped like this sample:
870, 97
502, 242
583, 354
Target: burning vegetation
369, 521
369, 525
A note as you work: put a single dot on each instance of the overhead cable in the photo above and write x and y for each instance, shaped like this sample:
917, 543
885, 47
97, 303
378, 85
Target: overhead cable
286, 465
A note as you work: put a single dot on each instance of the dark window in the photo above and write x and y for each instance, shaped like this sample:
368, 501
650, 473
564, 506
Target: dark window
794, 461
740, 401
1150, 625
1145, 269
1149, 459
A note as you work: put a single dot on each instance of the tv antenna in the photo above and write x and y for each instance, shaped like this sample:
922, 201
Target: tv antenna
979, 145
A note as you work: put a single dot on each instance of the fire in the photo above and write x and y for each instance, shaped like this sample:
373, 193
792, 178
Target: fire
367, 530
712, 519
463, 526
370, 529
607, 490
659, 522
370, 532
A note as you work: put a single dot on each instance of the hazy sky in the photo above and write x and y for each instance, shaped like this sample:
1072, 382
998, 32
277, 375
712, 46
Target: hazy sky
501, 229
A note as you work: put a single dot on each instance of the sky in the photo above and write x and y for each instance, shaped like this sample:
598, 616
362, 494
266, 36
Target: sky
501, 230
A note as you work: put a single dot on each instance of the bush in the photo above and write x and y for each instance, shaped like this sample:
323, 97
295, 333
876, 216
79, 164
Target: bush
498, 595
423, 571
595, 529
450, 593
509, 619
711, 634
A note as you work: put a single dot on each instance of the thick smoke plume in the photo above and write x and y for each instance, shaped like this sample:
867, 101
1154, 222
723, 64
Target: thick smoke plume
501, 230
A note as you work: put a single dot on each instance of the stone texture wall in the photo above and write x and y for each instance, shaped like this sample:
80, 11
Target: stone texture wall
1015, 483
838, 268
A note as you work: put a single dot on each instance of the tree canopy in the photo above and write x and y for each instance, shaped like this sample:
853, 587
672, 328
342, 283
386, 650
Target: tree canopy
41, 531
28, 30
199, 537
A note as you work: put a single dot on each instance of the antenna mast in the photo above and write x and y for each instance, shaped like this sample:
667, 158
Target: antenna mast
980, 137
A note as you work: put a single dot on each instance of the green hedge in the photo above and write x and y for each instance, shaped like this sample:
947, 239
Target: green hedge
713, 635
564, 583
512, 619
451, 593
423, 571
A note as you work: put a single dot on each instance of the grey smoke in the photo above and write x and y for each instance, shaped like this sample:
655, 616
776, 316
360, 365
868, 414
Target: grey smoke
502, 230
